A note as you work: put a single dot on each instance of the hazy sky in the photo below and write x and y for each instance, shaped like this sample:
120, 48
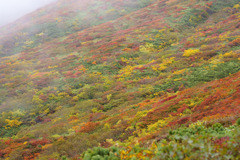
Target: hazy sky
11, 10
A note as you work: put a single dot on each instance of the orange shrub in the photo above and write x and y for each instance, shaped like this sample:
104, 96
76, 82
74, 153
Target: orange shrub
235, 42
88, 127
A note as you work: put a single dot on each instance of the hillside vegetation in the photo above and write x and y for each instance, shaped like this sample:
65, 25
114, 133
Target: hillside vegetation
122, 79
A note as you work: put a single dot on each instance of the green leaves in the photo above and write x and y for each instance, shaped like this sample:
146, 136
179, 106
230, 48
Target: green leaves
99, 153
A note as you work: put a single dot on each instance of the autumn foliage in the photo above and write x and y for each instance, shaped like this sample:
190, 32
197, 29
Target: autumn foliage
144, 79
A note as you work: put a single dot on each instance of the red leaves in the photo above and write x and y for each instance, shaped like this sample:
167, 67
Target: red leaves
210, 4
188, 44
43, 141
43, 97
180, 110
72, 118
221, 141
140, 68
183, 120
235, 42
88, 127
168, 99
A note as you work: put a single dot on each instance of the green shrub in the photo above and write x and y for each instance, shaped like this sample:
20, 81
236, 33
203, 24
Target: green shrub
238, 121
99, 153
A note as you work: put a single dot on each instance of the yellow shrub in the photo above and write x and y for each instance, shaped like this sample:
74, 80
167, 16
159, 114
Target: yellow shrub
237, 6
149, 47
190, 52
12, 123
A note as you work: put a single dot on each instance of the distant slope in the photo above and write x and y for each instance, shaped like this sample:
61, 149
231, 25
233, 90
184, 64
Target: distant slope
59, 19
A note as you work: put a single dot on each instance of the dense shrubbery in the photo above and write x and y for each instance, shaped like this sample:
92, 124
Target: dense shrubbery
99, 153
190, 142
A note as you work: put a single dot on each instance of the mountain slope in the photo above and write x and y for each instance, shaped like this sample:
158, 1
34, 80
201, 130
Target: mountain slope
129, 79
59, 19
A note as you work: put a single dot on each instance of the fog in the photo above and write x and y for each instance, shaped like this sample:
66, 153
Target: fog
11, 10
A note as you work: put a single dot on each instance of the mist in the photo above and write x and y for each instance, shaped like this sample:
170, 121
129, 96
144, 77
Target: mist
11, 10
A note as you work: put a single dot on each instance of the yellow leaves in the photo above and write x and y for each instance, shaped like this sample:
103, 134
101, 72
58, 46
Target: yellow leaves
230, 54
95, 110
110, 141
216, 61
107, 126
157, 36
74, 128
220, 58
74, 121
126, 71
56, 120
154, 68
147, 48
17, 113
191, 102
146, 89
161, 30
237, 6
159, 124
168, 60
127, 49
178, 79
198, 123
40, 34
123, 11
179, 72
110, 10
62, 94
12, 123
141, 114
154, 146
165, 63
36, 100
109, 97
51, 67
58, 19
82, 95
160, 67
82, 68
28, 42
61, 139
137, 30
224, 36
136, 153
46, 111
84, 42
46, 146
75, 98
190, 52
95, 74
124, 60
123, 154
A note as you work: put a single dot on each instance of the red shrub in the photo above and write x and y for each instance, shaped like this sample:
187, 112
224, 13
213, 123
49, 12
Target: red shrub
169, 98
40, 142
88, 127
235, 42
